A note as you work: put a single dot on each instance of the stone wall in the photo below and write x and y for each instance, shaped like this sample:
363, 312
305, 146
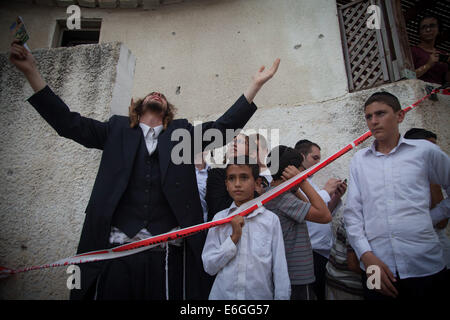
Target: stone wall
202, 53
46, 180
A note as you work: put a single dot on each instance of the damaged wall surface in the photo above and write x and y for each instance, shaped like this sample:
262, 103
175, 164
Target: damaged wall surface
46, 179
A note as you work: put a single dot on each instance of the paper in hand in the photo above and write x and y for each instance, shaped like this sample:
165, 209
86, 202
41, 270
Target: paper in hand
19, 32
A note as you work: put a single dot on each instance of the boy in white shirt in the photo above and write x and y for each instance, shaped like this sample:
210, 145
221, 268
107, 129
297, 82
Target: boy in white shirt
387, 213
247, 255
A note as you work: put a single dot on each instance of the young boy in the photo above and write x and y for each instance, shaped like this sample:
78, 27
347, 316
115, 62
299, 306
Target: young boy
292, 213
247, 255
387, 213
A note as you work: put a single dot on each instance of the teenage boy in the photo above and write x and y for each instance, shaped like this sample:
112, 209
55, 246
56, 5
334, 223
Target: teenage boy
387, 213
293, 214
247, 255
321, 235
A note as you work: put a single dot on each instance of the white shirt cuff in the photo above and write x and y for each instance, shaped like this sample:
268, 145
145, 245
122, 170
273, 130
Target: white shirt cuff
361, 247
325, 196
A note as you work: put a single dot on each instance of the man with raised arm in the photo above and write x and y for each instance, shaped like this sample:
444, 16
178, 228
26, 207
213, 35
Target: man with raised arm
139, 191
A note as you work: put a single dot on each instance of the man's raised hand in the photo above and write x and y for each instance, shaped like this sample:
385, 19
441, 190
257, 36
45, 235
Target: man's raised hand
263, 75
25, 62
259, 79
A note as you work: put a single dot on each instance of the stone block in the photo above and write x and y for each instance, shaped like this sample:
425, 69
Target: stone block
128, 3
107, 3
150, 4
87, 3
65, 3
46, 2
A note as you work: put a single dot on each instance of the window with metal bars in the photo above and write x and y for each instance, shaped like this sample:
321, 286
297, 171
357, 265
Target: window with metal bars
377, 56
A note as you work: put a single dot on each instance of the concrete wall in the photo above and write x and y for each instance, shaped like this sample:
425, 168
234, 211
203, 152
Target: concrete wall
336, 122
211, 48
46, 180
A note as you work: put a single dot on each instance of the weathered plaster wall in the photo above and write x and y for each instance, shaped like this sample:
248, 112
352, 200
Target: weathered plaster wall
211, 48
46, 180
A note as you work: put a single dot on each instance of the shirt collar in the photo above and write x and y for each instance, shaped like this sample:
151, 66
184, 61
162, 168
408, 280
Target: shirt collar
400, 142
233, 208
145, 129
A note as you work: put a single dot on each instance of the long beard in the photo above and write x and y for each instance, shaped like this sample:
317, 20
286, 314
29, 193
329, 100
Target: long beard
154, 106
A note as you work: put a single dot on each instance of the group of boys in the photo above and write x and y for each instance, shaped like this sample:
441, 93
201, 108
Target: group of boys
267, 254
387, 223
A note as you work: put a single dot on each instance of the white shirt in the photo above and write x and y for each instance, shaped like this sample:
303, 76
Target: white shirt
202, 176
151, 136
387, 207
255, 268
320, 234
151, 141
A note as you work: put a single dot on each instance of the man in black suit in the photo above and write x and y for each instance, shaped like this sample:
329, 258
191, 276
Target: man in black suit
139, 191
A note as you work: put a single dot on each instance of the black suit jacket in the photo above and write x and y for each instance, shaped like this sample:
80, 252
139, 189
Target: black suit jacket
119, 143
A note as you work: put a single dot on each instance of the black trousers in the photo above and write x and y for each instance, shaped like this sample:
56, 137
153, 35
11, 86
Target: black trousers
302, 292
430, 287
320, 263
142, 276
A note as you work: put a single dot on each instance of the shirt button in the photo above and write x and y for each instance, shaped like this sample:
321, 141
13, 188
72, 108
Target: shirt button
145, 206
146, 190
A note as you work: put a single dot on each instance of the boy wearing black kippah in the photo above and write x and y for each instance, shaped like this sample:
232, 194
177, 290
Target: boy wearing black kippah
293, 212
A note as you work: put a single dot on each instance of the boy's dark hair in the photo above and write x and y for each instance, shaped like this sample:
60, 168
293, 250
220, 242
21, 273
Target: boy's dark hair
418, 133
245, 161
304, 146
386, 98
287, 157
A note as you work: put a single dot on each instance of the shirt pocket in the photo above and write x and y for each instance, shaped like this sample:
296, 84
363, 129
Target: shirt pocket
261, 244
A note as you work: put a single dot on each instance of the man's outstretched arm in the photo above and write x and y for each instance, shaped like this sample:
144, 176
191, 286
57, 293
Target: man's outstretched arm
88, 132
236, 117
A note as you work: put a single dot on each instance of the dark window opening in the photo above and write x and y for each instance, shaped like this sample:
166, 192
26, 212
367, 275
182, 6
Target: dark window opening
89, 33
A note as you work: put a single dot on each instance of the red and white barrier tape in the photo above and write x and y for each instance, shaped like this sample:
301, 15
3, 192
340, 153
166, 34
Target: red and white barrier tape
245, 209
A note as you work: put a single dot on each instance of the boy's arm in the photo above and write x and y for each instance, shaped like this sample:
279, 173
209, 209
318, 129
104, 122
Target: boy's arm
282, 284
354, 224
216, 255
439, 173
318, 212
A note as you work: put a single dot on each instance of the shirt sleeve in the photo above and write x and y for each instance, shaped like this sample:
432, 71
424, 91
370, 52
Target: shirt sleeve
293, 208
282, 284
88, 132
439, 173
324, 195
353, 214
217, 254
